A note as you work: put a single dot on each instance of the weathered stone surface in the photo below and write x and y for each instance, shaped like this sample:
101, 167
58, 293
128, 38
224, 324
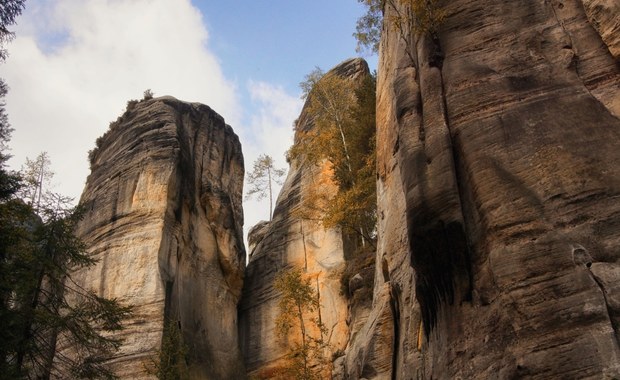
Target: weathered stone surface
604, 15
498, 145
369, 355
355, 283
607, 276
164, 219
291, 241
256, 234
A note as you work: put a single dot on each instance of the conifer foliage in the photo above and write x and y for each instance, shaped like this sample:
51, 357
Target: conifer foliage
170, 363
262, 178
9, 10
41, 308
49, 325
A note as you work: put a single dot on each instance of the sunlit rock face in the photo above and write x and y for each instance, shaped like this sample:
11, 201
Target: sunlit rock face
164, 219
498, 197
603, 16
291, 241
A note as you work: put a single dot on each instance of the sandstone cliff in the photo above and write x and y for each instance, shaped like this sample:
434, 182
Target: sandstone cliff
290, 240
603, 16
498, 196
164, 219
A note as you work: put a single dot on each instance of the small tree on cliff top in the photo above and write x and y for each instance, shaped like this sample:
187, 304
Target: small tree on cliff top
261, 179
419, 16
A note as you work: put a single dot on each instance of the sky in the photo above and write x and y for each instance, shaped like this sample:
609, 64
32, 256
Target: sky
74, 64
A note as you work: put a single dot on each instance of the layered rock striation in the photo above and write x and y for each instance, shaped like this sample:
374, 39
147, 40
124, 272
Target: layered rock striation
164, 219
603, 16
290, 240
498, 197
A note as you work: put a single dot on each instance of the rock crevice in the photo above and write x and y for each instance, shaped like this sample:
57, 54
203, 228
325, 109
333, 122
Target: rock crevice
290, 240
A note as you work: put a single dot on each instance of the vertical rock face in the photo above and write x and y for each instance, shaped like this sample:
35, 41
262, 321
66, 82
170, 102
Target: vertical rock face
498, 150
291, 241
164, 219
603, 15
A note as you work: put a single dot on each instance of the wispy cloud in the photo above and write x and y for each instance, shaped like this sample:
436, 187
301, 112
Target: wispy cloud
270, 131
75, 63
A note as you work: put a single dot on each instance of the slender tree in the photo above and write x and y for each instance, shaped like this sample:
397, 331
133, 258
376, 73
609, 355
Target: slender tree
329, 101
342, 113
170, 362
37, 176
261, 179
299, 303
41, 307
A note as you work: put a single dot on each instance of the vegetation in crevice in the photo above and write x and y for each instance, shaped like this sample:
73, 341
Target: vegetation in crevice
131, 105
362, 264
341, 143
300, 327
337, 137
170, 362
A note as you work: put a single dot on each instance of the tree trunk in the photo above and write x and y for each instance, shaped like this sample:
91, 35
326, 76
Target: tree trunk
270, 195
303, 339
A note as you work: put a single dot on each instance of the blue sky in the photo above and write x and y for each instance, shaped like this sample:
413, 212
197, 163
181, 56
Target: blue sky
75, 63
280, 41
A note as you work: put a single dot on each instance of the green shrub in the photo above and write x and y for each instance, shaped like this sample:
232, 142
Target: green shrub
148, 94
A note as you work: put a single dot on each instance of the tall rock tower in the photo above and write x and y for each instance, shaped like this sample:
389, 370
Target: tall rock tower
164, 219
498, 143
291, 240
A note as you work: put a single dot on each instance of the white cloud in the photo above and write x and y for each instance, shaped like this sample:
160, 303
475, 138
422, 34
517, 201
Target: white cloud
75, 63
270, 131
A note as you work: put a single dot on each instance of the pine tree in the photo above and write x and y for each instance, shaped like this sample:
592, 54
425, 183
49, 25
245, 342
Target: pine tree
170, 362
36, 176
41, 307
262, 178
9, 11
